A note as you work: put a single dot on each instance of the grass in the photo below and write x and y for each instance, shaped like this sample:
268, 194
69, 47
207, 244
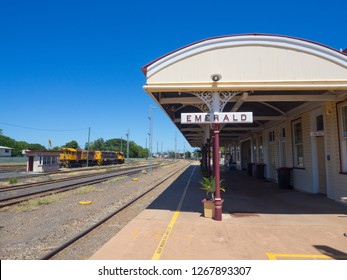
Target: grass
35, 203
13, 180
116, 179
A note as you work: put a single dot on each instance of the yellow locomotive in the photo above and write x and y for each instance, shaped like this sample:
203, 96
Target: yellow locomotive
70, 157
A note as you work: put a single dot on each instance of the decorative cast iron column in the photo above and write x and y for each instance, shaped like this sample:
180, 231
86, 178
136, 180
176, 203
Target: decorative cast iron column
215, 102
216, 171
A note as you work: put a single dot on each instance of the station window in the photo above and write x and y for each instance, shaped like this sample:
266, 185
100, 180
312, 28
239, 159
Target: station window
45, 160
255, 156
271, 136
343, 135
298, 148
261, 150
319, 123
238, 153
49, 160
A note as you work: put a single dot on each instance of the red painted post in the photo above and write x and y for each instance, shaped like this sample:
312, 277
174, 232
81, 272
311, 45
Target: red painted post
208, 158
213, 159
216, 170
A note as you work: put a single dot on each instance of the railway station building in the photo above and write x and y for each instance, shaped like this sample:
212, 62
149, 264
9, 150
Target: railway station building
290, 92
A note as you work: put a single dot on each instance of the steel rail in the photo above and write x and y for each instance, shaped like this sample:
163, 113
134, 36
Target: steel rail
49, 182
23, 197
102, 221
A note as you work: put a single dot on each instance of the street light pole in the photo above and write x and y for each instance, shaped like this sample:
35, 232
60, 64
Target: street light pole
127, 134
150, 134
88, 146
175, 145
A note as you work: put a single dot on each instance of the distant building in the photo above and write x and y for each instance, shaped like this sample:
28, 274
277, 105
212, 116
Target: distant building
5, 151
42, 161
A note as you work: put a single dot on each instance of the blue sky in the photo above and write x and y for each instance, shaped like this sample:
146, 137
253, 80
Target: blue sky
69, 65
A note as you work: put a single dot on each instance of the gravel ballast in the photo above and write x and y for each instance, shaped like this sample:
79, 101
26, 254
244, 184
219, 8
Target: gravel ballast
31, 234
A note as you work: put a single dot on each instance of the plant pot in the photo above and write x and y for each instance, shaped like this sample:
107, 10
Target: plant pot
209, 208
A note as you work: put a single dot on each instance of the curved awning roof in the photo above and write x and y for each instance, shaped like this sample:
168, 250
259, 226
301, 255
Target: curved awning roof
270, 75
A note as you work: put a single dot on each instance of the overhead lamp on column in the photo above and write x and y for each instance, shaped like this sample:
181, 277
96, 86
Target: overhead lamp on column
216, 77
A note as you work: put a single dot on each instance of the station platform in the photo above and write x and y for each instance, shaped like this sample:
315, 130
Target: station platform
260, 221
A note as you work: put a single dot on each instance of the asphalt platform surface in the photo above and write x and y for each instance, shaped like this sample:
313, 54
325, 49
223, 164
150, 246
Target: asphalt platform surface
260, 221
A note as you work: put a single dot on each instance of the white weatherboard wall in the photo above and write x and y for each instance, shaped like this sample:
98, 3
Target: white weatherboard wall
303, 178
337, 182
5, 151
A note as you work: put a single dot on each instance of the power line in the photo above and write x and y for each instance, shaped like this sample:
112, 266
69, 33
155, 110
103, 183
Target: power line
44, 129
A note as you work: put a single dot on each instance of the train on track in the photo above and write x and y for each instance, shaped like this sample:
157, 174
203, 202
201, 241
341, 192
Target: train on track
70, 157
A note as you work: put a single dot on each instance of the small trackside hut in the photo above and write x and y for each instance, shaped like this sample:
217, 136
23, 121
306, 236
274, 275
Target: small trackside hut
42, 161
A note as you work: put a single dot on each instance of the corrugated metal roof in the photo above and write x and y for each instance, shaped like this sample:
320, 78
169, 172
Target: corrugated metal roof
8, 148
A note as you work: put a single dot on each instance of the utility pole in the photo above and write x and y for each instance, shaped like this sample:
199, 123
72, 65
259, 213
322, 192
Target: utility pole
150, 134
175, 145
88, 146
121, 144
127, 134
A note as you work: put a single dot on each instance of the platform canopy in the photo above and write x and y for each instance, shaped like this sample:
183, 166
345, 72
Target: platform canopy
272, 76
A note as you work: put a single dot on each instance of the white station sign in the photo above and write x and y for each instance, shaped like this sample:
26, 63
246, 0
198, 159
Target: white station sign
236, 117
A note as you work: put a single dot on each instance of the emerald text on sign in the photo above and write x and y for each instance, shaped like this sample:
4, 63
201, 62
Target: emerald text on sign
238, 117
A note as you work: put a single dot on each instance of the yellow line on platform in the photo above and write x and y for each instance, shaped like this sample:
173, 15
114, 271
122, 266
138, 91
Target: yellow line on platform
272, 256
164, 239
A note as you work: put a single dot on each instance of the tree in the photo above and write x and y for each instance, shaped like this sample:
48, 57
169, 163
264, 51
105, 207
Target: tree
188, 154
72, 144
97, 145
36, 146
1, 131
198, 153
172, 154
18, 146
113, 144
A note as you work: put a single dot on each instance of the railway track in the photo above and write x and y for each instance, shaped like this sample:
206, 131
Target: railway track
10, 195
83, 234
22, 168
12, 168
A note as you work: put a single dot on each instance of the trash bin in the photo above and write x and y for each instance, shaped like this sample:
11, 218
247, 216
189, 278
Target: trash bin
260, 167
250, 169
283, 176
232, 165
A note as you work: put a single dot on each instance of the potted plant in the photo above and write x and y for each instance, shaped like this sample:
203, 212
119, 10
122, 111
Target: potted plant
209, 185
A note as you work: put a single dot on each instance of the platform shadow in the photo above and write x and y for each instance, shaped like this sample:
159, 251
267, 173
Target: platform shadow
244, 194
331, 252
